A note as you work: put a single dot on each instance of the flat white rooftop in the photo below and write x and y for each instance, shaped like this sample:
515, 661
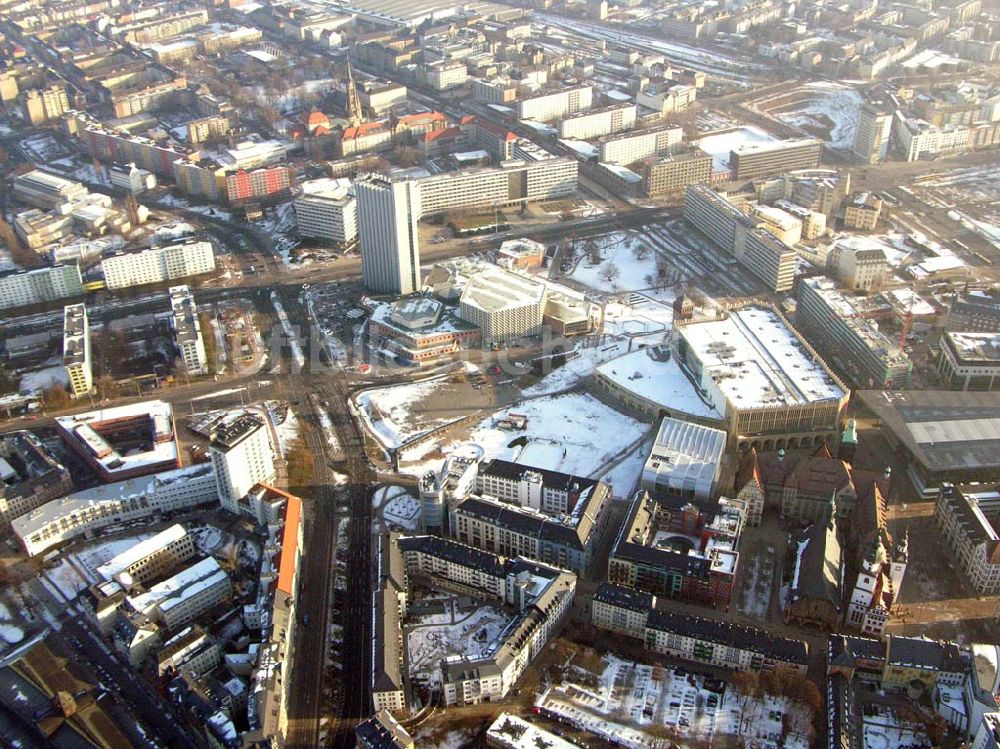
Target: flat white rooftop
756, 361
659, 381
493, 289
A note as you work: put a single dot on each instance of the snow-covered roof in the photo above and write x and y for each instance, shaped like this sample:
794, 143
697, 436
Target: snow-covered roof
512, 731
659, 380
185, 584
755, 360
85, 428
141, 550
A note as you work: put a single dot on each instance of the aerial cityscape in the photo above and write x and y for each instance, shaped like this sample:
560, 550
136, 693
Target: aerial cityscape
525, 374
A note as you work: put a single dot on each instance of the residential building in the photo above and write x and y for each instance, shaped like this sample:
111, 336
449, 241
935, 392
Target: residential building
692, 638
187, 331
863, 212
967, 517
43, 105
23, 288
326, 209
539, 597
123, 442
263, 184
769, 259
131, 178
383, 731
513, 183
543, 515
494, 91
547, 105
857, 268
970, 361
76, 350
871, 136
158, 264
631, 147
685, 461
442, 75
242, 456
673, 174
47, 191
781, 224
775, 157
149, 560
856, 346
91, 510
29, 475
503, 305
388, 211
184, 597
676, 548
598, 122
192, 651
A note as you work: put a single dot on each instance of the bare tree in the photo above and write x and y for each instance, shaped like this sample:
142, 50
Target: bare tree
610, 272
640, 250
593, 251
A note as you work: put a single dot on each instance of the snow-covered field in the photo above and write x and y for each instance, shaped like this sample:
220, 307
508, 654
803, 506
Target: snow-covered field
758, 585
627, 699
825, 110
618, 250
574, 433
386, 411
470, 635
884, 730
41, 379
721, 144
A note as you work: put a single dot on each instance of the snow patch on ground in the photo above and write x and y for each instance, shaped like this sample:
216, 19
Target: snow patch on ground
831, 109
386, 411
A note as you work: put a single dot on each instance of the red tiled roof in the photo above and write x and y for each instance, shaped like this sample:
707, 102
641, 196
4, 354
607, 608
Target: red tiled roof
448, 132
289, 543
368, 128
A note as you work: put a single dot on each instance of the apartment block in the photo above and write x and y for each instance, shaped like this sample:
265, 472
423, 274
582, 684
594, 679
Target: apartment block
91, 510
187, 331
871, 137
184, 597
631, 147
327, 209
76, 350
598, 122
769, 259
671, 546
31, 476
673, 174
43, 105
765, 159
692, 638
967, 517
857, 268
388, 212
546, 106
158, 264
263, 184
242, 456
40, 285
151, 559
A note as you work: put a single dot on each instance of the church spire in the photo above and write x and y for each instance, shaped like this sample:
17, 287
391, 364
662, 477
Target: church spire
354, 114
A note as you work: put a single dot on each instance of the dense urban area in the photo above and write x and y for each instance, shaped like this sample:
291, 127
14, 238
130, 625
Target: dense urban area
527, 374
